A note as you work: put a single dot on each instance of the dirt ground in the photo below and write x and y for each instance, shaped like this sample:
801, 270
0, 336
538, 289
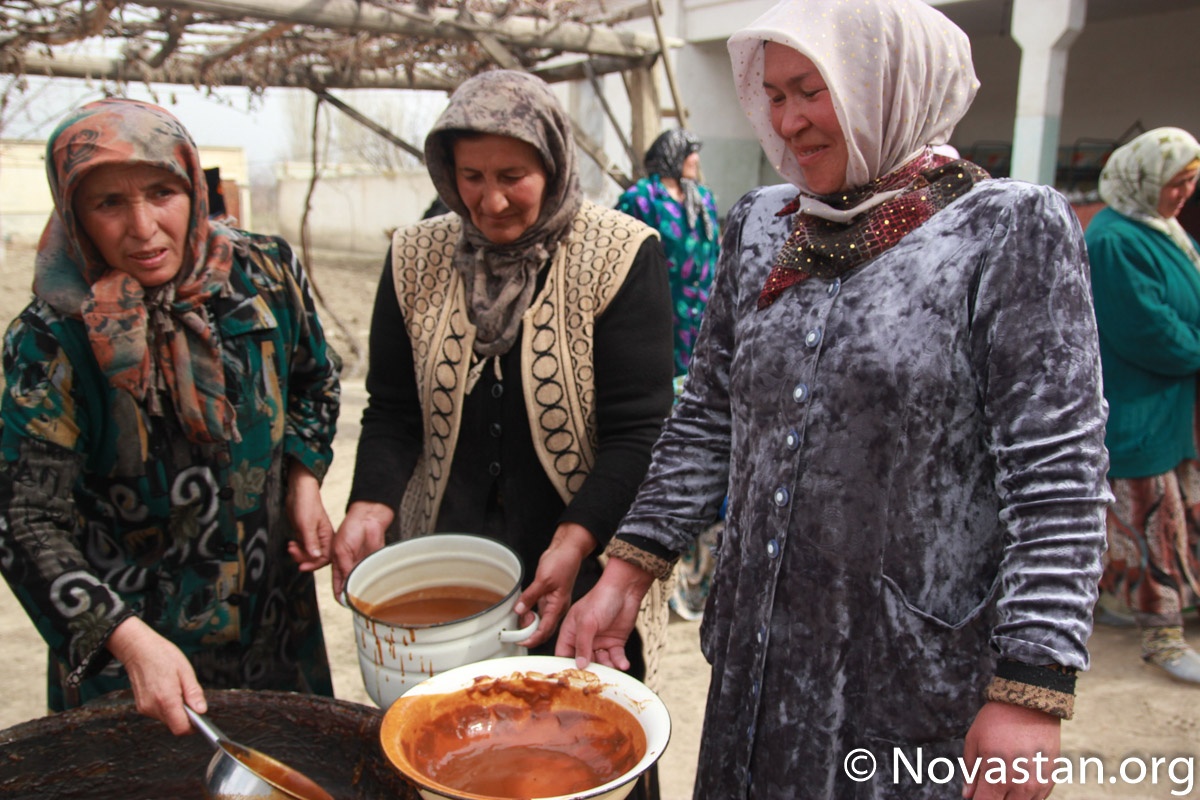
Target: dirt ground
1127, 714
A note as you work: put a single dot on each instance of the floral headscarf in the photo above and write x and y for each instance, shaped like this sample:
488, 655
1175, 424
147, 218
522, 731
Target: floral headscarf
665, 158
898, 71
147, 341
500, 279
1134, 175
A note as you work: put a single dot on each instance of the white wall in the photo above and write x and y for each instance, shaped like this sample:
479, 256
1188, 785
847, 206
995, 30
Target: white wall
353, 213
731, 159
1120, 72
26, 204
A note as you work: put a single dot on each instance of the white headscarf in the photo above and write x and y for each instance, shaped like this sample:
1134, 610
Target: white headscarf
899, 74
1136, 172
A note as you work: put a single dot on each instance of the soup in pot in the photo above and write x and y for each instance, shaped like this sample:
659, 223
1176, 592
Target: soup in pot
432, 606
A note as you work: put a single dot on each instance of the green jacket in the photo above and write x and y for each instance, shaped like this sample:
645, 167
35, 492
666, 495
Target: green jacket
108, 511
1147, 295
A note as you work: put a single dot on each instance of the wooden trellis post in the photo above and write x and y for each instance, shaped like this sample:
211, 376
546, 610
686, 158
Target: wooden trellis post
645, 112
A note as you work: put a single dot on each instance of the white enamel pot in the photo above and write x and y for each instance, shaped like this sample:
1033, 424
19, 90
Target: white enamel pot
393, 658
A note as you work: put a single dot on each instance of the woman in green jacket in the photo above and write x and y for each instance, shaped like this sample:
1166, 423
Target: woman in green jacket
1146, 283
168, 417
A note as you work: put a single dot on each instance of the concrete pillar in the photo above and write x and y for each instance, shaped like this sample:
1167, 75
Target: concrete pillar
1045, 30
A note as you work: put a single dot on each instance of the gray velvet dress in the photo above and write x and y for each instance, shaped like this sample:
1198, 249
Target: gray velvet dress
915, 464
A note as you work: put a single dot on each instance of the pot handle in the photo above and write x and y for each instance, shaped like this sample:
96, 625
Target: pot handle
512, 637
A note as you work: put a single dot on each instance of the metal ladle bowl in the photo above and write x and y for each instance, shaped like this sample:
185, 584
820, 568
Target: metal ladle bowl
241, 772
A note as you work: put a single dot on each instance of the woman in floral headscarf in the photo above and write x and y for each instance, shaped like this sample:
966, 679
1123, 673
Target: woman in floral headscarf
169, 413
898, 386
1146, 281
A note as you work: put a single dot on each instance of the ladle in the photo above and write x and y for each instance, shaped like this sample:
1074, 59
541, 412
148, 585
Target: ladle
241, 772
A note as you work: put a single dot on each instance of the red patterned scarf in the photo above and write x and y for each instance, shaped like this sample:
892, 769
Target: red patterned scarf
145, 341
826, 249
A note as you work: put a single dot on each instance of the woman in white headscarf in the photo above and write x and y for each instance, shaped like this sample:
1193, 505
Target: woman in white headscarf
898, 382
1146, 281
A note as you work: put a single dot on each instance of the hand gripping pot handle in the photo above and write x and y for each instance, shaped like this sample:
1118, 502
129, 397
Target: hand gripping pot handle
512, 637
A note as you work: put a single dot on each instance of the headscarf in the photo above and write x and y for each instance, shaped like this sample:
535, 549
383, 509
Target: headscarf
500, 278
1134, 175
665, 158
900, 78
898, 71
146, 340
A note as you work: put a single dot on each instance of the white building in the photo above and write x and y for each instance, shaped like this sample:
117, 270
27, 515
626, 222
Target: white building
1092, 73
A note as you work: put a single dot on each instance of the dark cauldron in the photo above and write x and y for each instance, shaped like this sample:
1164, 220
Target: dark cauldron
106, 749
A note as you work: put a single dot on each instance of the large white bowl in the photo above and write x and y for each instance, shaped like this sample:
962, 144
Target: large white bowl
631, 694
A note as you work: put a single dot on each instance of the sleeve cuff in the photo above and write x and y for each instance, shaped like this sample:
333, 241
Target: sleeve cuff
100, 656
1047, 688
316, 462
657, 566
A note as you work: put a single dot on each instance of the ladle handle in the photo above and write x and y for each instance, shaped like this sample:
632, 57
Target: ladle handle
210, 731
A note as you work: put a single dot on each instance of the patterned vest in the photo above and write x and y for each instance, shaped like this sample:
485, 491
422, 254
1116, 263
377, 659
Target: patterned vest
556, 352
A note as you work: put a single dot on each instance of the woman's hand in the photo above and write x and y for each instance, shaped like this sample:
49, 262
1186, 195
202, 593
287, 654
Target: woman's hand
597, 628
555, 579
362, 532
161, 676
314, 545
1010, 733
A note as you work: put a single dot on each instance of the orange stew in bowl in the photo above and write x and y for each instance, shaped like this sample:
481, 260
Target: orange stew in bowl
519, 737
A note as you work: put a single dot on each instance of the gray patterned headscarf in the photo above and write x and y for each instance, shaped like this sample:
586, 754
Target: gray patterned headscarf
500, 279
1134, 175
665, 158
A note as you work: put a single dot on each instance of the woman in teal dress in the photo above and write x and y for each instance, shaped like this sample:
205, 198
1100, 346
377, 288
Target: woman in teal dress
671, 201
169, 413
1146, 283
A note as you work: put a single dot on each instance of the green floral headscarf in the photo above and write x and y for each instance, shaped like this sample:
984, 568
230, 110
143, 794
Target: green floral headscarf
1136, 172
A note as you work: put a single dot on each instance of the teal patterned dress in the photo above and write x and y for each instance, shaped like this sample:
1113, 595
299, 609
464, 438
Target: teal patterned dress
691, 254
109, 512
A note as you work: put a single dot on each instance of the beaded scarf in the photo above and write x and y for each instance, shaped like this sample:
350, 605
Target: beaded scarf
826, 249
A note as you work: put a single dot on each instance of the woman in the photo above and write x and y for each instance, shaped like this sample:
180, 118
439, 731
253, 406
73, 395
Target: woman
520, 363
170, 406
1146, 282
684, 213
898, 383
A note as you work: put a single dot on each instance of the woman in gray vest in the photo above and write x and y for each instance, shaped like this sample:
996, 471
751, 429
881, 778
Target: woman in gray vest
520, 355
